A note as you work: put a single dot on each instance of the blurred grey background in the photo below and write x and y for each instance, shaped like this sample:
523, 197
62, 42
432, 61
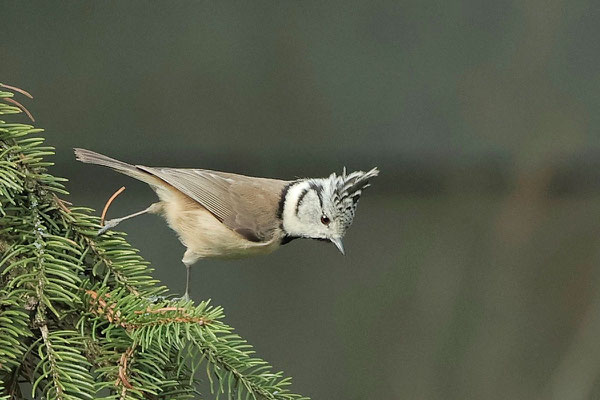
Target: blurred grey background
472, 266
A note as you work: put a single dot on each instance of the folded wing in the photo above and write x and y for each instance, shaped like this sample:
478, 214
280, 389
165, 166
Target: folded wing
246, 205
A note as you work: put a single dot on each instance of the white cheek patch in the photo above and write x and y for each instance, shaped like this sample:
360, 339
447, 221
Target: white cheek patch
302, 210
309, 208
291, 223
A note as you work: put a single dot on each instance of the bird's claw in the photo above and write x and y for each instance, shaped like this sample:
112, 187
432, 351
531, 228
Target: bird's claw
158, 299
108, 225
185, 297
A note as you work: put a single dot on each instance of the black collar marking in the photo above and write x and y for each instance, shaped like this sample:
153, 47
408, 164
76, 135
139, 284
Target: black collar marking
288, 238
284, 192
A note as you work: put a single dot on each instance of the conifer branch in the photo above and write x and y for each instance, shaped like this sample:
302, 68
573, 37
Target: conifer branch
81, 316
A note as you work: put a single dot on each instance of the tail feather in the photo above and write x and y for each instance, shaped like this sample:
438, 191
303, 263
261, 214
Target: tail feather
91, 157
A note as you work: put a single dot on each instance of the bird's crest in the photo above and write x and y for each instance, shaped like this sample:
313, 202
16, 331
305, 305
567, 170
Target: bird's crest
347, 190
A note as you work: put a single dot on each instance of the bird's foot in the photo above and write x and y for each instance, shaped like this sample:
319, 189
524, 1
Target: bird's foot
185, 297
108, 225
159, 299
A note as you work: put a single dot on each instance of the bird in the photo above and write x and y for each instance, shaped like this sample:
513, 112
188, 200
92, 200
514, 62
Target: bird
226, 215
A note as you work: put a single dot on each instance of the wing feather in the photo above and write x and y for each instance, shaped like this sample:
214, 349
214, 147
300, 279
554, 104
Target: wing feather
246, 205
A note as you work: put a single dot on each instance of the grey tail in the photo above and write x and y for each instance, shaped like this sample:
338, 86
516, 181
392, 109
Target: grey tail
91, 157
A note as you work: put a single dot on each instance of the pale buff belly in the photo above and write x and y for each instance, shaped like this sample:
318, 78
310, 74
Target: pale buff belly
203, 234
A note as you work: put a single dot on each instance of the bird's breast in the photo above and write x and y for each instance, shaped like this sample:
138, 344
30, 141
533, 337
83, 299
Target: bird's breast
205, 236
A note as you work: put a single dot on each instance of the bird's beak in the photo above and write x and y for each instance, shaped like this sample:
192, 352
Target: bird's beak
338, 244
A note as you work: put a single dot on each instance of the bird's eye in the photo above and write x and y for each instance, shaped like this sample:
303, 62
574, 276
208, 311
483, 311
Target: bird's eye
325, 220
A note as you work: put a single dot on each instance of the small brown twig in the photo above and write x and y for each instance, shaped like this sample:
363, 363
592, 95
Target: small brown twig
101, 307
16, 89
21, 106
159, 310
62, 203
123, 371
109, 202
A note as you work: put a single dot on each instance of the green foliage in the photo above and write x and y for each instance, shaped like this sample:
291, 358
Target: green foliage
81, 316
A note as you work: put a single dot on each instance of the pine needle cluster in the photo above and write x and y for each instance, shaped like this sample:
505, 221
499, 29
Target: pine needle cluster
81, 316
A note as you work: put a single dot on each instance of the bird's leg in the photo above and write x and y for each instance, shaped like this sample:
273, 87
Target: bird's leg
189, 258
186, 295
154, 208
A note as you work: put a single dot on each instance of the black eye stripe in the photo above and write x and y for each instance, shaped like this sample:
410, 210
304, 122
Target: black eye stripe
300, 198
318, 189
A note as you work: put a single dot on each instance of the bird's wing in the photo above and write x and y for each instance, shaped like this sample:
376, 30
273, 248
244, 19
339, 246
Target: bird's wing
244, 204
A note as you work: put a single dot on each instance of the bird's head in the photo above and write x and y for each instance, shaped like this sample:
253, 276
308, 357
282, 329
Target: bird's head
324, 208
